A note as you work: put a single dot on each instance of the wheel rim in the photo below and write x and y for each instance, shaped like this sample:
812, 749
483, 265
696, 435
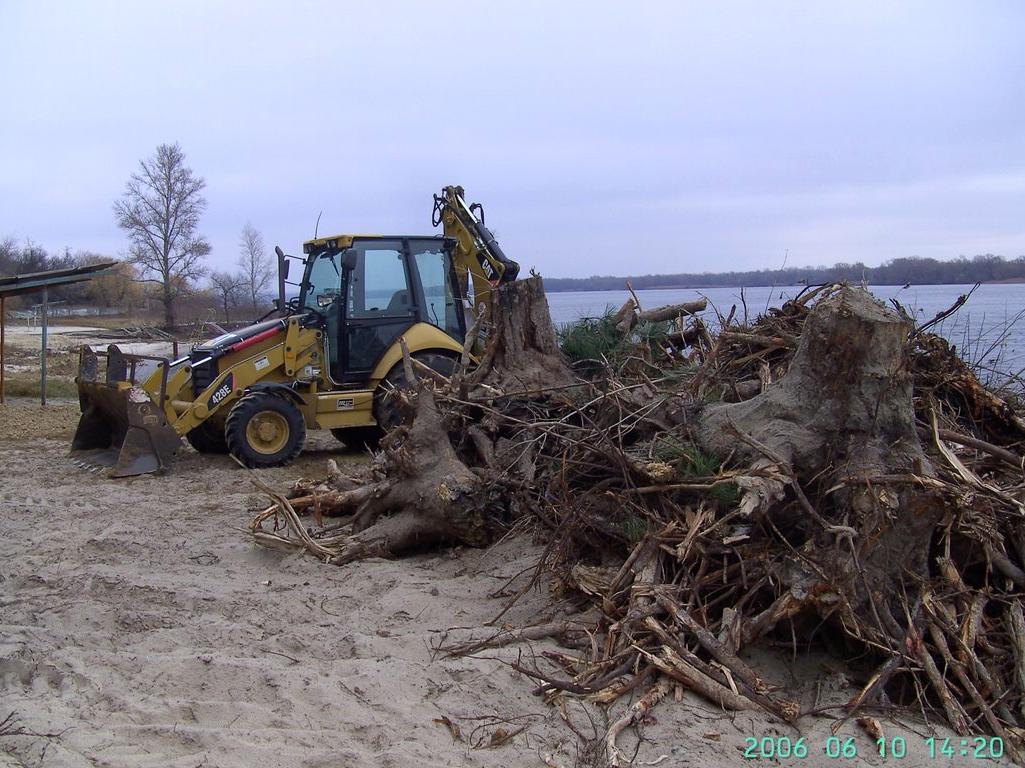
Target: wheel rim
267, 432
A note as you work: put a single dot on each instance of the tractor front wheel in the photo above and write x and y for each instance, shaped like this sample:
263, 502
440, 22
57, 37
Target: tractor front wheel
386, 405
264, 430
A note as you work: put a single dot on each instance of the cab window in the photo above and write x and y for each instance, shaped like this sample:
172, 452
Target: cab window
434, 266
324, 281
378, 285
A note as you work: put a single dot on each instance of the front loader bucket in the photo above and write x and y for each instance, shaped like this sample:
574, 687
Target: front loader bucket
120, 426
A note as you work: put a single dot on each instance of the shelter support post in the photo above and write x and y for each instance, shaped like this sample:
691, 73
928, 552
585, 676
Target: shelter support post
42, 356
3, 327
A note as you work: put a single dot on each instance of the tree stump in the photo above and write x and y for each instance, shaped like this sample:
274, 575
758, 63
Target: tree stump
842, 420
420, 491
522, 350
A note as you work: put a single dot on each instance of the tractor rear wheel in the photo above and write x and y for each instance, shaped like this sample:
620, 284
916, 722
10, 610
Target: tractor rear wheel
386, 405
208, 437
358, 438
264, 430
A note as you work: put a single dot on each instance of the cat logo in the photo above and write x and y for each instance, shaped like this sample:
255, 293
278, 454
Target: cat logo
345, 404
487, 268
222, 391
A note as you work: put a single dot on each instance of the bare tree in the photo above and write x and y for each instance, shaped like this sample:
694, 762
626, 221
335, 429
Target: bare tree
257, 269
160, 211
9, 255
229, 290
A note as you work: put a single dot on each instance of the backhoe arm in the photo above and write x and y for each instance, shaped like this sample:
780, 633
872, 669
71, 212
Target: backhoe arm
477, 253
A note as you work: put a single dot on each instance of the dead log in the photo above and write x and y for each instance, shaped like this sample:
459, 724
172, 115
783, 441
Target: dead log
760, 341
630, 314
624, 318
672, 311
693, 335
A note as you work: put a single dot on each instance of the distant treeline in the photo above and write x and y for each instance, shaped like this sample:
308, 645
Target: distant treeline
18, 259
117, 288
980, 269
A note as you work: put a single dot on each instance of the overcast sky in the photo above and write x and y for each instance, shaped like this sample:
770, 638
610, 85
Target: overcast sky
603, 138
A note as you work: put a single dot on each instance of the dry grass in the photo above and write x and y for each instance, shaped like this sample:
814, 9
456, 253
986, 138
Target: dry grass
23, 385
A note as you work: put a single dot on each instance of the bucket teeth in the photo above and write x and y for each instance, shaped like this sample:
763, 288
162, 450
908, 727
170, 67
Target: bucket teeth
87, 467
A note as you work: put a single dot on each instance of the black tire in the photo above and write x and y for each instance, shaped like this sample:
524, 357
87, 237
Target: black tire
358, 438
386, 406
264, 430
208, 437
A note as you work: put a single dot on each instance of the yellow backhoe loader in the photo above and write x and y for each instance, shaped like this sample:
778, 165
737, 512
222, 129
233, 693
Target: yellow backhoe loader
325, 360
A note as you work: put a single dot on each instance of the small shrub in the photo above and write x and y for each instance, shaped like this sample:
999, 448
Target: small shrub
691, 461
635, 528
592, 342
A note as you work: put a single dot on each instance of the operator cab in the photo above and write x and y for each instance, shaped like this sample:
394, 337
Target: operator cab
370, 289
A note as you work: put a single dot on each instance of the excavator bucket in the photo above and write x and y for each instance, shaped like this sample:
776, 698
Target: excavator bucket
120, 426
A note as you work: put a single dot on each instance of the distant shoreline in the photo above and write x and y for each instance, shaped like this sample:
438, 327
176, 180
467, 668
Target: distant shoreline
985, 268
692, 287
672, 287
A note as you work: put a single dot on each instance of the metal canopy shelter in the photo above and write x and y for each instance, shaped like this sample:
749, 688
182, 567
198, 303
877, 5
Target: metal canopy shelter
35, 282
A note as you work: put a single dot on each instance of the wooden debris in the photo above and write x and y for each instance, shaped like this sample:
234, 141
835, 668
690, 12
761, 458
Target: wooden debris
869, 492
637, 712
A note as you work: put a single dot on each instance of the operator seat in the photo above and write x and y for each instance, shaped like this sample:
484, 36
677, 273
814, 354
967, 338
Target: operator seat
399, 303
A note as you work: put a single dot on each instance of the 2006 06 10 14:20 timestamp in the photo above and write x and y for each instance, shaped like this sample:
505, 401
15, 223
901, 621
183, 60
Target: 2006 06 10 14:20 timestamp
779, 748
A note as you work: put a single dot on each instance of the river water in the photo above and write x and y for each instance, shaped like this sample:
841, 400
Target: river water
989, 330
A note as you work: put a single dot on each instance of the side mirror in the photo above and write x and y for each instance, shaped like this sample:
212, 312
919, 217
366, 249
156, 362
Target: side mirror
349, 258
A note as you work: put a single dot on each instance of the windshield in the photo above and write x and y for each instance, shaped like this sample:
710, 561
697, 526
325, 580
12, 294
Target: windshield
323, 281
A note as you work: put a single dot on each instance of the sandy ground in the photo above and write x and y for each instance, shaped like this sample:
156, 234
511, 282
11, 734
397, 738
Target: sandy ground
21, 359
62, 338
17, 333
139, 626
63, 343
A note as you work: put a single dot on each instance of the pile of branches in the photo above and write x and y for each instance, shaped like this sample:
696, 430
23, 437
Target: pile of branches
828, 474
131, 333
